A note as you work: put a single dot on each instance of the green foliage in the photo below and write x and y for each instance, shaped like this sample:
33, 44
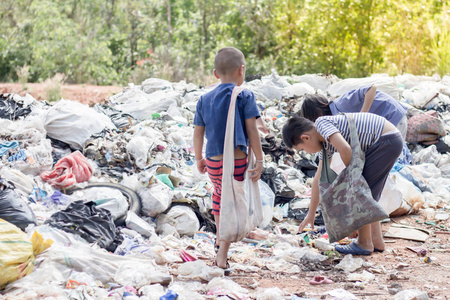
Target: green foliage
117, 41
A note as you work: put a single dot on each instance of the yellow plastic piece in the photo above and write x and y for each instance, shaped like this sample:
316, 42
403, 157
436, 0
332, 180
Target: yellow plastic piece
17, 252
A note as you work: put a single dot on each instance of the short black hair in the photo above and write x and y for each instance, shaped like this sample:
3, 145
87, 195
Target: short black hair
315, 106
228, 60
294, 128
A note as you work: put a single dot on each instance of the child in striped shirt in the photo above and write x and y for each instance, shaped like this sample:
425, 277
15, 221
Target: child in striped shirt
380, 141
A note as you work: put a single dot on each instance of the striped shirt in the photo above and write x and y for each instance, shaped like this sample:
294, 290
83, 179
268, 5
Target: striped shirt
368, 125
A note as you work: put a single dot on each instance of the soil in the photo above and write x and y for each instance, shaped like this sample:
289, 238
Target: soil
431, 277
84, 93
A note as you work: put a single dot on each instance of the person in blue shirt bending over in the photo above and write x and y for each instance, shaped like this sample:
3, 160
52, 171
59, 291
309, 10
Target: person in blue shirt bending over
364, 99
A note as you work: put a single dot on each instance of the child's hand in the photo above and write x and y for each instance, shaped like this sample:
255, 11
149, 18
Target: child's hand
201, 166
309, 219
256, 171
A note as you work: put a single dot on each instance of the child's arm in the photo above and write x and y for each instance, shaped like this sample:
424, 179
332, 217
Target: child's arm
368, 98
199, 133
341, 145
310, 217
255, 144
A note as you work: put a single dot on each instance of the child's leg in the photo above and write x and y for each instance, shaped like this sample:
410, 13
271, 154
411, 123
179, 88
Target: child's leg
364, 240
379, 161
221, 257
377, 236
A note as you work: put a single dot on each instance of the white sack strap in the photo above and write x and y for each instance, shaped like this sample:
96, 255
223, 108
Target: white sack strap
228, 147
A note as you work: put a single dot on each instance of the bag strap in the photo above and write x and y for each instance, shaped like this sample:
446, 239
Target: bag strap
228, 147
358, 156
357, 159
327, 174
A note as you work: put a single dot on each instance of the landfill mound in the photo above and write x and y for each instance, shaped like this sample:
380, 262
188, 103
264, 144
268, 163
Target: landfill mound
113, 193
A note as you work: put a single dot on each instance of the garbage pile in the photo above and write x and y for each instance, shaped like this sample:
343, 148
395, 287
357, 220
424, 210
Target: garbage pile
121, 212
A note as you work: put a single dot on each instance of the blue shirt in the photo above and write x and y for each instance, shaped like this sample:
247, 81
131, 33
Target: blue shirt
212, 113
369, 127
383, 104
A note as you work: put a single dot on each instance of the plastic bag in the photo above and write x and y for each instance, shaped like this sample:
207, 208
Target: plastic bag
181, 217
267, 199
391, 197
119, 119
11, 109
14, 207
349, 264
410, 193
278, 184
318, 82
134, 222
300, 89
155, 199
91, 223
17, 252
79, 120
108, 198
69, 170
142, 105
383, 83
22, 182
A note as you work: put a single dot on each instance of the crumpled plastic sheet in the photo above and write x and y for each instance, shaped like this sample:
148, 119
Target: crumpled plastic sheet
68, 171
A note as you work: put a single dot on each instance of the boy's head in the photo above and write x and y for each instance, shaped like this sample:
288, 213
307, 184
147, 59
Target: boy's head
300, 134
230, 62
315, 106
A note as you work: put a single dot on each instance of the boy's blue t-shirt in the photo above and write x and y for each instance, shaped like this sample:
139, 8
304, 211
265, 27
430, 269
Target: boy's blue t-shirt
383, 104
212, 113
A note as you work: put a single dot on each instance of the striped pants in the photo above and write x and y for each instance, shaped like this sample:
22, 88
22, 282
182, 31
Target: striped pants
214, 168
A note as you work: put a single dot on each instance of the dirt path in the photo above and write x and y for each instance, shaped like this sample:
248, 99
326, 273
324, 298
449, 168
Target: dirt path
84, 93
403, 269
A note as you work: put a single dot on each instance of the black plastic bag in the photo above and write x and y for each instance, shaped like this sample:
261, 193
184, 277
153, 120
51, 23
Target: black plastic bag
12, 110
277, 183
300, 214
14, 207
91, 223
119, 118
275, 147
308, 167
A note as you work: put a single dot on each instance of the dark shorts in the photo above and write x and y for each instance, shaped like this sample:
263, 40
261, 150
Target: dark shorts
380, 158
214, 168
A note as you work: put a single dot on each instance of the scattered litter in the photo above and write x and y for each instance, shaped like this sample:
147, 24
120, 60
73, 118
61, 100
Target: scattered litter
150, 234
407, 233
349, 264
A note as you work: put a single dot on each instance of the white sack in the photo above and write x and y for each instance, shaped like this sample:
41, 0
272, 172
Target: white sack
74, 123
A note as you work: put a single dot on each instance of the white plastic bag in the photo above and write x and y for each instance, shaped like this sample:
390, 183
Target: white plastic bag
267, 200
391, 197
384, 83
134, 222
155, 199
73, 123
300, 89
181, 217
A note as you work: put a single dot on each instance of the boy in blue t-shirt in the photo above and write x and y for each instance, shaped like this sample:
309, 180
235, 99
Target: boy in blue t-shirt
210, 120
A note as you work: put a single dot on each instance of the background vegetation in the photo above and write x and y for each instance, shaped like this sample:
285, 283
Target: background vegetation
118, 41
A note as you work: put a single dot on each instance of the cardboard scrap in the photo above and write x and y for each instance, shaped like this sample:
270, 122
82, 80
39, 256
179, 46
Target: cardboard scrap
407, 232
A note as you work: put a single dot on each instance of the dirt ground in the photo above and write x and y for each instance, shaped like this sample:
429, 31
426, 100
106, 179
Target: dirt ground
404, 269
84, 93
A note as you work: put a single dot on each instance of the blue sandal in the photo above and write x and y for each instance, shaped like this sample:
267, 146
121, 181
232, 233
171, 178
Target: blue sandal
352, 248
